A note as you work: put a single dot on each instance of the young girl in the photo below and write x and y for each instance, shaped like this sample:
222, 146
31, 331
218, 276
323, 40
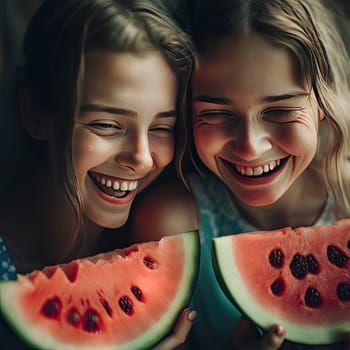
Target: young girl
269, 136
101, 87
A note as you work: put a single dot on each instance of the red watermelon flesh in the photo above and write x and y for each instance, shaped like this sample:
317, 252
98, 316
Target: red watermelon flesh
299, 278
126, 299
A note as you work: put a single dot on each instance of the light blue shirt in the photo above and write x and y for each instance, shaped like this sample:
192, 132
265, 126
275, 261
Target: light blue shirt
7, 269
218, 217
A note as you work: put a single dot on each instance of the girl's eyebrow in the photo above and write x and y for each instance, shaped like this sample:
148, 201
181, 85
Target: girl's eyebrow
120, 111
285, 96
212, 99
107, 109
227, 101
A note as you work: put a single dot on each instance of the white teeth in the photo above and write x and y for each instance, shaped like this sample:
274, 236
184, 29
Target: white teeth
124, 186
258, 171
116, 185
248, 171
132, 186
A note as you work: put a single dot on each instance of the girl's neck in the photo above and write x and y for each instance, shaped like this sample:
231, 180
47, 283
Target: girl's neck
301, 205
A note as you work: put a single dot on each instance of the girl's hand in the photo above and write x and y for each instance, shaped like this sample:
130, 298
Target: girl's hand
180, 331
245, 336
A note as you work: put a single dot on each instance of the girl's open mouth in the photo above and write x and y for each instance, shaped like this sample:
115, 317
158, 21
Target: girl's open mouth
260, 171
113, 187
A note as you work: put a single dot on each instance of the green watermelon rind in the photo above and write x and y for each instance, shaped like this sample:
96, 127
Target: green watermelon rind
30, 334
234, 288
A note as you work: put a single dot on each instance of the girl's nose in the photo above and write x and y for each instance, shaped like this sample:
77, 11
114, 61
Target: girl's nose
136, 154
251, 140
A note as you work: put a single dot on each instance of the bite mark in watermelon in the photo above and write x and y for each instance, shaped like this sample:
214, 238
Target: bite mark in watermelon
298, 278
126, 299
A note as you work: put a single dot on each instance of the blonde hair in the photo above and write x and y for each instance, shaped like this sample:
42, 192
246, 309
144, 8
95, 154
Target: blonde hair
308, 30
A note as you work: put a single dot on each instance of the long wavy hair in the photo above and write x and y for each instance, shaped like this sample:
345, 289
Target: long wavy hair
307, 29
57, 40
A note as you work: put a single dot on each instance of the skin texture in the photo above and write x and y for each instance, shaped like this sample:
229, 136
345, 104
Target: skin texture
119, 133
252, 117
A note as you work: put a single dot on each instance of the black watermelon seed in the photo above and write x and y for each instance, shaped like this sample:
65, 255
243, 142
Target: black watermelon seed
92, 321
52, 307
137, 292
278, 287
299, 266
276, 258
106, 306
343, 291
126, 305
149, 263
312, 297
73, 317
336, 256
349, 244
312, 264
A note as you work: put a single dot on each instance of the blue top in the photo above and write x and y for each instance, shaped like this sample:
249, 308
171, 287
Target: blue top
219, 216
7, 269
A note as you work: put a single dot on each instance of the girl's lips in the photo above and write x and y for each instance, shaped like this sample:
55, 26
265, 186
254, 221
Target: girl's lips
107, 190
113, 182
254, 180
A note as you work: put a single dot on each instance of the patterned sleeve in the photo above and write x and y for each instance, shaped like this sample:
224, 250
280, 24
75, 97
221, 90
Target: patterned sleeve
7, 269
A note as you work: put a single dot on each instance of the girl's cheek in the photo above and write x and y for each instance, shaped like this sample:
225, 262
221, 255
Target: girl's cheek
209, 141
163, 151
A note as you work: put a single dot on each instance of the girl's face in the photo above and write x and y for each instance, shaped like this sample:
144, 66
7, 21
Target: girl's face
255, 120
123, 136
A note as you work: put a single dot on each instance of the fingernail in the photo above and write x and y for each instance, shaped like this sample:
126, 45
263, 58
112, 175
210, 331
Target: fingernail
278, 330
192, 315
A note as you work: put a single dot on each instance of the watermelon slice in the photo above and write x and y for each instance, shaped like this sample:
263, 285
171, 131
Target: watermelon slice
298, 278
126, 299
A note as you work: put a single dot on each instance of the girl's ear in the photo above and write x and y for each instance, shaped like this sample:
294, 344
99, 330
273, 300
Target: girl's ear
34, 120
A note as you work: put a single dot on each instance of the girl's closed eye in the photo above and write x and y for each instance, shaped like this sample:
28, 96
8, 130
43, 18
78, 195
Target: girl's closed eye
162, 131
215, 117
282, 115
105, 128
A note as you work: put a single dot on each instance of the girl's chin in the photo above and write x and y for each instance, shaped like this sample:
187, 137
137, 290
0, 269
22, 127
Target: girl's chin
257, 199
111, 224
108, 219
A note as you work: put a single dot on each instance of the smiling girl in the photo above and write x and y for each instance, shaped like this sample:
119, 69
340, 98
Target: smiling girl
101, 87
268, 138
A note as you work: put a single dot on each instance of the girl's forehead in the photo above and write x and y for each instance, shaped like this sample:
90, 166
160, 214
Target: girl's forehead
247, 59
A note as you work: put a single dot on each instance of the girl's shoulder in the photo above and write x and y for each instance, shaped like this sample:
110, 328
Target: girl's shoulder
163, 209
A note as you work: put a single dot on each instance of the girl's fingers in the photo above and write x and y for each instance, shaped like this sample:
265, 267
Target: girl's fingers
273, 339
245, 336
180, 331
